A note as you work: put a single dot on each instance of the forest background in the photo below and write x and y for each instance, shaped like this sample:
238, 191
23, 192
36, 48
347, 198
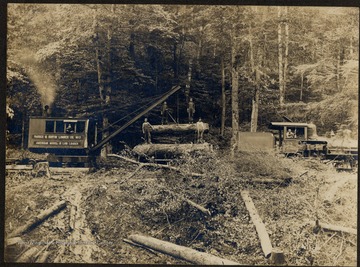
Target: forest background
244, 66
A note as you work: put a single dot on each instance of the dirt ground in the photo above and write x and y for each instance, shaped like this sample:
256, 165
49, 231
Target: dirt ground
122, 198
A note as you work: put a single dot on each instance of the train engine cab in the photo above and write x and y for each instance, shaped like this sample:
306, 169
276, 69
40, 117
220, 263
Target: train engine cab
65, 140
299, 138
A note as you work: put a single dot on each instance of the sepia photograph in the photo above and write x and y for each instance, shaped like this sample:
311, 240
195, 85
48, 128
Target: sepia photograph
171, 134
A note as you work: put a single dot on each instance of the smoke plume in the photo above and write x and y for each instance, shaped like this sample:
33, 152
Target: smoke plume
40, 77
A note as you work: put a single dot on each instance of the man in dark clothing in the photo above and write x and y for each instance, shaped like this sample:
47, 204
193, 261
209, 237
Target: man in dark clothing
146, 129
191, 110
164, 113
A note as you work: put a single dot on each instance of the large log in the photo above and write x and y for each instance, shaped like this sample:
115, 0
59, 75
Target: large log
180, 252
14, 247
35, 221
259, 225
28, 256
173, 149
174, 128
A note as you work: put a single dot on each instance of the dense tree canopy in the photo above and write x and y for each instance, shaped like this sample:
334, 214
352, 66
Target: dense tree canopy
107, 61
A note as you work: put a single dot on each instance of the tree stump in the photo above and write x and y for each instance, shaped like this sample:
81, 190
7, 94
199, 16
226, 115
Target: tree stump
41, 169
277, 257
13, 248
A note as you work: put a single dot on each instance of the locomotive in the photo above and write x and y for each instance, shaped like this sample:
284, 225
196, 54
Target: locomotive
301, 139
65, 140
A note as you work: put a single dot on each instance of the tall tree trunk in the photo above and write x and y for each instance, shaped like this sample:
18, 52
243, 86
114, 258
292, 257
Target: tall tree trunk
223, 98
175, 63
187, 87
302, 86
23, 130
99, 75
338, 72
255, 100
107, 149
255, 103
286, 51
234, 96
280, 50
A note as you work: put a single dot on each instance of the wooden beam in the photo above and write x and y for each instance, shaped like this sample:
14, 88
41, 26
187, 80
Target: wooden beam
180, 252
157, 102
259, 225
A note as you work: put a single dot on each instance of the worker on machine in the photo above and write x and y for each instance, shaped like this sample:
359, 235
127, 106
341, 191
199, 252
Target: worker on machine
146, 129
69, 129
164, 113
290, 134
191, 110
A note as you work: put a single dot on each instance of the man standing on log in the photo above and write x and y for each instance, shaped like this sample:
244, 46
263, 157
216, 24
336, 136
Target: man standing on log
146, 129
164, 113
191, 110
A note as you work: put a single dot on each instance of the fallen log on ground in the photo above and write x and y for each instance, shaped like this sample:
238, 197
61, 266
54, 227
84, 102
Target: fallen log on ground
34, 222
131, 174
154, 165
72, 217
19, 167
138, 245
175, 128
259, 225
332, 227
180, 252
28, 256
191, 203
13, 248
43, 253
43, 257
173, 149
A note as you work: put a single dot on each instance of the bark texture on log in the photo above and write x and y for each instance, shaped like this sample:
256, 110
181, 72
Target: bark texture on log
180, 252
33, 222
152, 149
168, 128
259, 225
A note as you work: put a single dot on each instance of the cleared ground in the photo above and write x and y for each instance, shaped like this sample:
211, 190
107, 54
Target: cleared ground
111, 204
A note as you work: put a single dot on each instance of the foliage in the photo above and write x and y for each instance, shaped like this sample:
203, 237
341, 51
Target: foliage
72, 54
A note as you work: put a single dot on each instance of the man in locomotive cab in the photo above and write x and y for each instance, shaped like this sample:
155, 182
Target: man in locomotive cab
69, 129
290, 134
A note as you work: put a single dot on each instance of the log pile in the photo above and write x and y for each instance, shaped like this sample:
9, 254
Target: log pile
176, 128
173, 149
